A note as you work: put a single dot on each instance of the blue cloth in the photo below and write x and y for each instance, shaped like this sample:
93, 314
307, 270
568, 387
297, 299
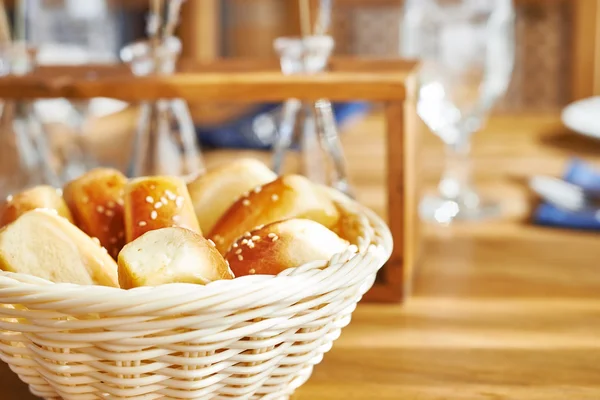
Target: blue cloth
239, 133
581, 174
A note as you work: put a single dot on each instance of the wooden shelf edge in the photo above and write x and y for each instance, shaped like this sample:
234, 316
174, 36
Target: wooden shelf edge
235, 87
236, 80
382, 293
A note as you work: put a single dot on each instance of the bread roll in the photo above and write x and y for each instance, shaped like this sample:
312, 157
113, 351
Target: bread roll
289, 196
157, 202
37, 197
43, 244
214, 192
96, 201
281, 245
170, 255
348, 227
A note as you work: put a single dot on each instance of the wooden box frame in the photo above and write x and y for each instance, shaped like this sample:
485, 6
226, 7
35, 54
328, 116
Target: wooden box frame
391, 82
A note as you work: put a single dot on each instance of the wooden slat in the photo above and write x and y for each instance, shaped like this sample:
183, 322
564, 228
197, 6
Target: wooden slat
200, 29
235, 87
586, 48
374, 80
411, 138
252, 26
596, 51
396, 271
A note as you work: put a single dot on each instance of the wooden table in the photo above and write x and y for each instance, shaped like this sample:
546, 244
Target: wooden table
501, 310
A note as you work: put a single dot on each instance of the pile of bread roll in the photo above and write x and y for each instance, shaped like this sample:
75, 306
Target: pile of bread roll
104, 229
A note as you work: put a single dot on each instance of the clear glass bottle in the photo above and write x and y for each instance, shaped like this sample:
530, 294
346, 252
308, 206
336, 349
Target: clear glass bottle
73, 31
70, 32
311, 127
165, 141
25, 157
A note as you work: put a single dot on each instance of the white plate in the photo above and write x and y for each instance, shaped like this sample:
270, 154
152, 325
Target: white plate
583, 117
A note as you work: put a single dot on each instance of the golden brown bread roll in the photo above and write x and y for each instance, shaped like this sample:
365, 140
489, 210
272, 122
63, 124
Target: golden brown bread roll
37, 197
170, 255
43, 244
348, 226
214, 192
289, 196
281, 245
157, 202
96, 201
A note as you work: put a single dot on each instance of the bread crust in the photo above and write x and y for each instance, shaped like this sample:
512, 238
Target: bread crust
156, 202
96, 202
281, 245
42, 243
214, 192
289, 196
170, 255
42, 196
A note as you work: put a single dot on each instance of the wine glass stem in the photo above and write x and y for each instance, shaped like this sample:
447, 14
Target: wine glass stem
456, 181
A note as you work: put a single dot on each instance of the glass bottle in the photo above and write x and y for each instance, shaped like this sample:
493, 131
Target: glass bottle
73, 31
165, 141
70, 32
25, 157
310, 126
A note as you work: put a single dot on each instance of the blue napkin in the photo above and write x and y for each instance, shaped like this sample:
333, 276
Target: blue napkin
241, 132
581, 174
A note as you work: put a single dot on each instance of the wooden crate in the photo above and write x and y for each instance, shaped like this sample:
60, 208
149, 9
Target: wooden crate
389, 82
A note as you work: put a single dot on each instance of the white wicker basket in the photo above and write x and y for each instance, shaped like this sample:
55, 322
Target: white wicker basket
252, 337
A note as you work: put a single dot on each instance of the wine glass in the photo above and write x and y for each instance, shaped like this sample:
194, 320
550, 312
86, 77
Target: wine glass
466, 49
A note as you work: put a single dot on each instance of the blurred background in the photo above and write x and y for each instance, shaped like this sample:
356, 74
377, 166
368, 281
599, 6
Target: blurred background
555, 38
531, 65
502, 166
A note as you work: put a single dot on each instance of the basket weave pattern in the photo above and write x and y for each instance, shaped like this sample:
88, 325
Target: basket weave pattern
252, 337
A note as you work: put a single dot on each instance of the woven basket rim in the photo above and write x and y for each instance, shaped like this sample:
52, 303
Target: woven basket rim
11, 281
250, 337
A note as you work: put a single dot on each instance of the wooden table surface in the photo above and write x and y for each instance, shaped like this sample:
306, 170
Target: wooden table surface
500, 310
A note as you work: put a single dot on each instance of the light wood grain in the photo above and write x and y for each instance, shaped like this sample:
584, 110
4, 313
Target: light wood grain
383, 81
502, 310
252, 26
200, 29
586, 48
